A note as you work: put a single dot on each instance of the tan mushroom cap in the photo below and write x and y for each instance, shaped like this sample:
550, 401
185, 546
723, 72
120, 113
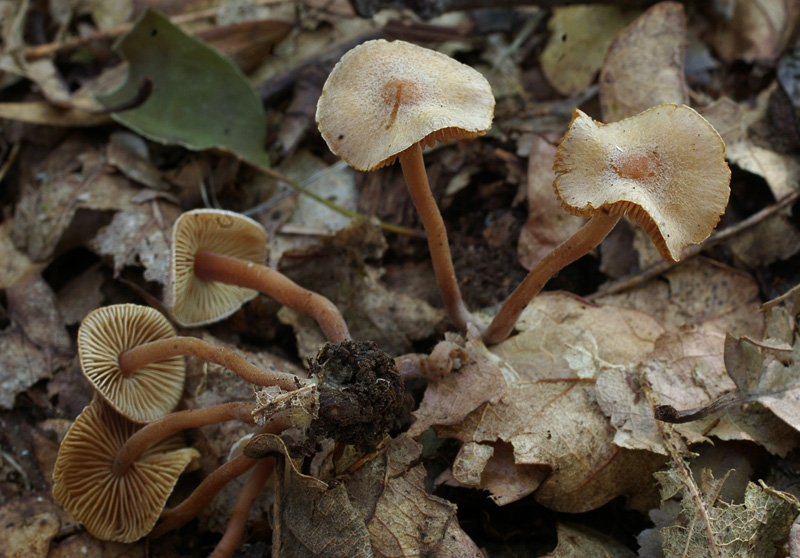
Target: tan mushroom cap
196, 302
664, 168
150, 392
113, 508
383, 97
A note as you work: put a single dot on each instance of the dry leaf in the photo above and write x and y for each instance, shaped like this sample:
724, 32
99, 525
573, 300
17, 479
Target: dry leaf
644, 64
779, 170
28, 524
14, 264
753, 30
579, 37
578, 541
699, 292
402, 518
36, 344
81, 295
549, 414
311, 518
548, 224
86, 546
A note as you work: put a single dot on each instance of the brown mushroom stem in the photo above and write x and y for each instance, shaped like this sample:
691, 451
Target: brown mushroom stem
173, 423
579, 244
202, 496
241, 509
208, 489
417, 180
162, 349
210, 266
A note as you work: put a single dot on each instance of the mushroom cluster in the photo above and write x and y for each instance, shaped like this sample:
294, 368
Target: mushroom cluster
123, 455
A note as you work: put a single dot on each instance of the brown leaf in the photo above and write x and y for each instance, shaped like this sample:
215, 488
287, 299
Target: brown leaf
477, 380
86, 546
402, 518
27, 525
548, 224
753, 30
578, 541
36, 344
14, 264
644, 64
249, 42
311, 518
549, 414
579, 37
699, 292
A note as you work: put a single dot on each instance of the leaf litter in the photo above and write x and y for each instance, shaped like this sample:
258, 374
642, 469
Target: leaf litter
560, 414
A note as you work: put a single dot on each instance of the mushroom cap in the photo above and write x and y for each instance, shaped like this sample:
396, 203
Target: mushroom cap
383, 97
664, 168
150, 392
194, 301
113, 508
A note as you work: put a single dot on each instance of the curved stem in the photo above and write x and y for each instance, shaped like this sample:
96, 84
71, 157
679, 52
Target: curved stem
162, 349
202, 496
216, 267
208, 489
417, 180
579, 244
173, 423
241, 509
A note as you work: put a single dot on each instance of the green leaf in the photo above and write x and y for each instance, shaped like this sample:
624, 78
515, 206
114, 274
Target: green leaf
199, 98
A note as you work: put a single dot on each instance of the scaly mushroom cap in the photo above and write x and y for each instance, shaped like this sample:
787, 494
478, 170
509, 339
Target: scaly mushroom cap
383, 97
193, 301
664, 168
151, 391
113, 508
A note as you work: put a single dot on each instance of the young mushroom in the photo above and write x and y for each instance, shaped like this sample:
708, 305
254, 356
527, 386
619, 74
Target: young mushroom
218, 264
383, 102
664, 168
131, 355
111, 507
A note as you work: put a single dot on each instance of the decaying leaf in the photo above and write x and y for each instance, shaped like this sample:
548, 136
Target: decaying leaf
28, 524
752, 30
699, 292
86, 546
644, 64
549, 415
199, 98
36, 344
578, 541
548, 224
779, 170
707, 526
686, 370
579, 37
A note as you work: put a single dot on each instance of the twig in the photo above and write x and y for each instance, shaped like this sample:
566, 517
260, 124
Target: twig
47, 49
654, 271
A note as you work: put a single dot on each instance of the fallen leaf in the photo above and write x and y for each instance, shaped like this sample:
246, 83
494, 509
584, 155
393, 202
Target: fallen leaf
578, 541
644, 64
403, 520
548, 224
753, 30
777, 169
28, 524
199, 98
549, 414
86, 546
247, 43
579, 38
699, 292
707, 526
15, 265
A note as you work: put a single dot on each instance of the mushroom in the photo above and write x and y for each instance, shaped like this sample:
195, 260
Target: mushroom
384, 101
664, 168
217, 265
131, 355
111, 507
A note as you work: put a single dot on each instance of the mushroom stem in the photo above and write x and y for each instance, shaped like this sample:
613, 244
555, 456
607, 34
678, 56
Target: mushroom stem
173, 423
241, 509
208, 489
202, 496
211, 266
163, 349
579, 244
417, 180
